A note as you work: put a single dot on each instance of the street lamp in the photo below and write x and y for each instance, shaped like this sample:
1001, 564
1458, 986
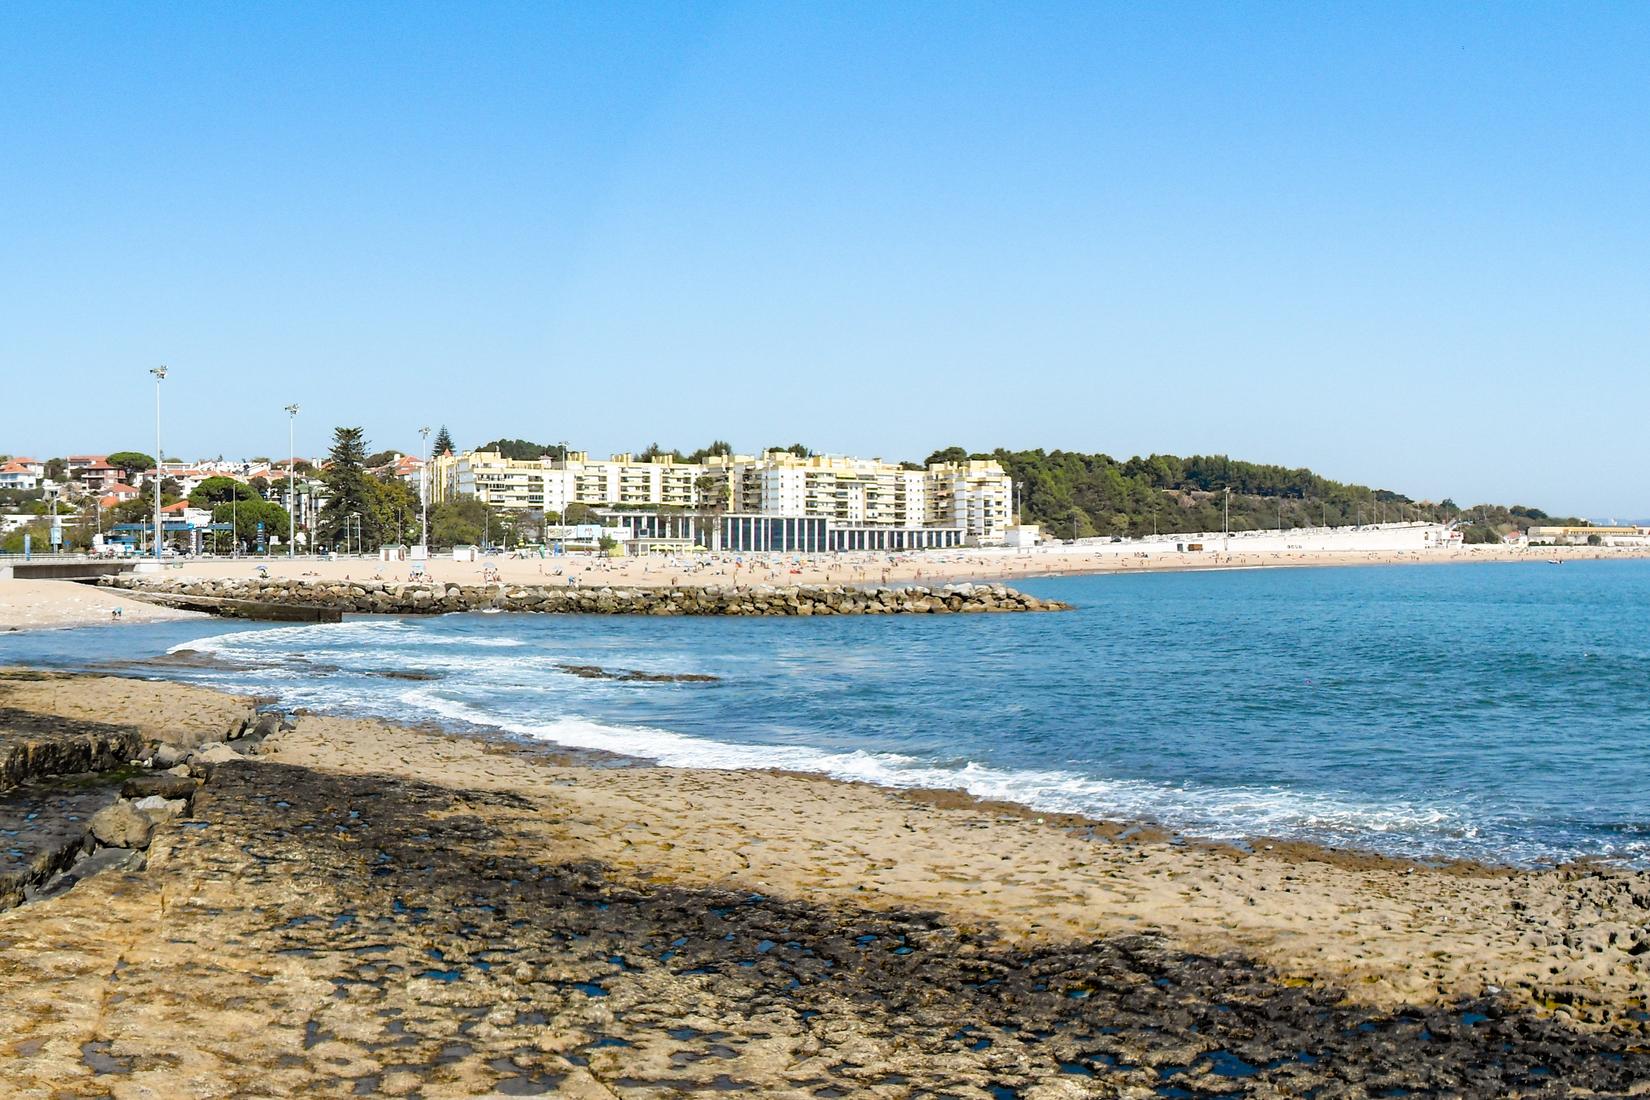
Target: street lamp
159, 373
291, 482
424, 488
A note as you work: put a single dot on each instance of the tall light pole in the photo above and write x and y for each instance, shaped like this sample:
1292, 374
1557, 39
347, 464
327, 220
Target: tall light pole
292, 482
159, 373
424, 486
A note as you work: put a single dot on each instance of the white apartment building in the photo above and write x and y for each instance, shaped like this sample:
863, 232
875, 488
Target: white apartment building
975, 497
548, 484
845, 490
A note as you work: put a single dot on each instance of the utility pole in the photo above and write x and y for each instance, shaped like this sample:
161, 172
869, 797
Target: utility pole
426, 482
292, 482
159, 373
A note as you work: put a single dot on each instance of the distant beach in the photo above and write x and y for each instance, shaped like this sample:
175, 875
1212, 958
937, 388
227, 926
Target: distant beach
662, 571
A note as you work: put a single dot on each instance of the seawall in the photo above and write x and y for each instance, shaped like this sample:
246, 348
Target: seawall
434, 597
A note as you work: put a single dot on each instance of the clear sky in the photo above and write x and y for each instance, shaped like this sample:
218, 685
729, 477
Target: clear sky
1406, 245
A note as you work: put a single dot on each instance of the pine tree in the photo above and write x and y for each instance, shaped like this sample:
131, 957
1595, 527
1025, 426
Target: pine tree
443, 441
349, 503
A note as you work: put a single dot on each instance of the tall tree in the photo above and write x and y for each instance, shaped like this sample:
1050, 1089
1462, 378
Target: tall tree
395, 506
217, 490
349, 505
443, 441
131, 462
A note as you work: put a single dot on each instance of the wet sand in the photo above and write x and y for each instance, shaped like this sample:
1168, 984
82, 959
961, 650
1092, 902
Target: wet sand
362, 907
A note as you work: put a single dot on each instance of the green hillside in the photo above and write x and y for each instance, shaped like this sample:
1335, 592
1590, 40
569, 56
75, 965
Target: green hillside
1081, 495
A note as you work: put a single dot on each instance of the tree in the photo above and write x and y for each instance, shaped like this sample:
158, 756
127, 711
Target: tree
459, 522
349, 507
796, 449
381, 458
576, 513
56, 469
718, 448
396, 508
653, 451
219, 490
519, 450
246, 512
949, 454
131, 463
443, 442
39, 533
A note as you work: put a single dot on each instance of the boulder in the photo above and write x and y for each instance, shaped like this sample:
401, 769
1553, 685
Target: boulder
122, 826
214, 754
166, 785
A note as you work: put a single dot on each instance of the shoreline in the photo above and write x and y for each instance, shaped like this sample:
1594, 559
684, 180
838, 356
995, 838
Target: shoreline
47, 604
860, 569
1348, 852
480, 740
348, 899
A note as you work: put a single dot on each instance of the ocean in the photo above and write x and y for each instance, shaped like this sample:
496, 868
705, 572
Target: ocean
1490, 712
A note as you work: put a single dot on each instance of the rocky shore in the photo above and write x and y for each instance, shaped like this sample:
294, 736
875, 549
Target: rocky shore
414, 598
329, 907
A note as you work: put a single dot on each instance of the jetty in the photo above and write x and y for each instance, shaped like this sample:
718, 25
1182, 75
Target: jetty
317, 601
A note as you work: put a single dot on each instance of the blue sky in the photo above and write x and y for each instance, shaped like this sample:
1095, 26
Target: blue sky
1401, 244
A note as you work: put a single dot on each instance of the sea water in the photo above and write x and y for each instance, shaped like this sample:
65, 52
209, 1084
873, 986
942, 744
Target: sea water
1495, 712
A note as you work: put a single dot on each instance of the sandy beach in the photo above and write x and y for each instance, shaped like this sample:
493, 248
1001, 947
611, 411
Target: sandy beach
352, 906
32, 604
927, 567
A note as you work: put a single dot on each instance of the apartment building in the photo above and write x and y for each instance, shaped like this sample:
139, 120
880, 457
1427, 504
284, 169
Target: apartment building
551, 484
975, 495
844, 490
973, 498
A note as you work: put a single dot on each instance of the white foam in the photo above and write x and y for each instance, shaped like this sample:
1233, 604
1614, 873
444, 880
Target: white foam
1220, 813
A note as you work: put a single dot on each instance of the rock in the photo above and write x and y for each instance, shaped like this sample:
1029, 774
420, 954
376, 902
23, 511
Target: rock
104, 859
214, 754
167, 756
166, 785
121, 826
158, 809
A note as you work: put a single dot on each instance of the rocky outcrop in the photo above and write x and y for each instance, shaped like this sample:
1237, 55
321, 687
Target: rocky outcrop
33, 745
75, 800
414, 598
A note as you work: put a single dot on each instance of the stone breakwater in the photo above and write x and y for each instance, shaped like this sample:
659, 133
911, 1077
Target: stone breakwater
434, 597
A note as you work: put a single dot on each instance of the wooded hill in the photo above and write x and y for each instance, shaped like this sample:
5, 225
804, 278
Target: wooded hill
1082, 495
